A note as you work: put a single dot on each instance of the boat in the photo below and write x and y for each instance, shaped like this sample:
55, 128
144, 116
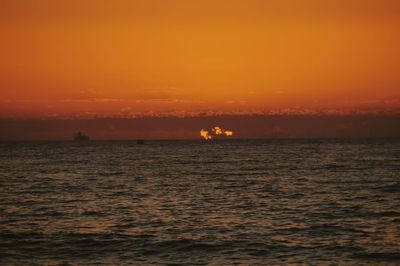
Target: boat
80, 136
140, 141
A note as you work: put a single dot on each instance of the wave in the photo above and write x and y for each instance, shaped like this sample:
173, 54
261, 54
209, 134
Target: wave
92, 213
379, 256
182, 245
384, 214
391, 188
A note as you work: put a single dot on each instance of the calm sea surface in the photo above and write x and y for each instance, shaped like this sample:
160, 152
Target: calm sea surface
191, 202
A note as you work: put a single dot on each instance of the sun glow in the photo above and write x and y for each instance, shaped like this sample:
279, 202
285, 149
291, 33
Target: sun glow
216, 131
228, 133
205, 134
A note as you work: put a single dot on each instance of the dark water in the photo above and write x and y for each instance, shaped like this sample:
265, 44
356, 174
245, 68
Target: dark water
227, 202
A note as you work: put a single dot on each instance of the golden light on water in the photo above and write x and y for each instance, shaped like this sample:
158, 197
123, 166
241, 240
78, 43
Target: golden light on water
216, 131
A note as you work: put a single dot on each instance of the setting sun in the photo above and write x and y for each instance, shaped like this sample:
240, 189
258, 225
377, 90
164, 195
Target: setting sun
215, 132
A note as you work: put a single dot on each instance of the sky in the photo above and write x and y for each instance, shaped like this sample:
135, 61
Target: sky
134, 58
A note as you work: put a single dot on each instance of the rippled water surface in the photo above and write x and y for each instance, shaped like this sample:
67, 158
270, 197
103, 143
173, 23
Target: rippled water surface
223, 202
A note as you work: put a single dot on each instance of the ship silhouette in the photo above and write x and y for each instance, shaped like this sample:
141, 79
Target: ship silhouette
80, 136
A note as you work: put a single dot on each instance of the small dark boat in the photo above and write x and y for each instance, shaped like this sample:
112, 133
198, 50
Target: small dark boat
80, 136
140, 141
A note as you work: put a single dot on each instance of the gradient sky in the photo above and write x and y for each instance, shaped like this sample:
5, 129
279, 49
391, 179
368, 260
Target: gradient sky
95, 58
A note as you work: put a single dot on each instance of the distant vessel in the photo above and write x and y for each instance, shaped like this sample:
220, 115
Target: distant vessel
80, 136
140, 141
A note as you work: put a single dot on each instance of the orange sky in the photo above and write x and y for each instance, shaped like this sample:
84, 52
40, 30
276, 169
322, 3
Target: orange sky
73, 58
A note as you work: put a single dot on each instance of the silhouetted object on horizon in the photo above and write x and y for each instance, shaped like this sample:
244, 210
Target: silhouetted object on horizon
140, 141
80, 136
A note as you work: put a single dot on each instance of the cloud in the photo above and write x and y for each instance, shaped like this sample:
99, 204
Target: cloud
91, 100
168, 101
382, 102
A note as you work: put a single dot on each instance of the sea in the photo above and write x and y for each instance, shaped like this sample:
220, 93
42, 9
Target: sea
224, 202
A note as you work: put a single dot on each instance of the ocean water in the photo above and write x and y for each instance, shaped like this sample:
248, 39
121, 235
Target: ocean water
238, 202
